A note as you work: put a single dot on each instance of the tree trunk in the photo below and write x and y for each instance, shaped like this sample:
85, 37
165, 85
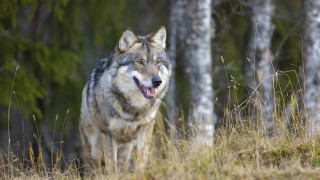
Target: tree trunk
199, 69
259, 69
311, 55
176, 15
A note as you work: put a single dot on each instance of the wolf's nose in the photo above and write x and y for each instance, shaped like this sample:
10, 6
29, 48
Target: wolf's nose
156, 81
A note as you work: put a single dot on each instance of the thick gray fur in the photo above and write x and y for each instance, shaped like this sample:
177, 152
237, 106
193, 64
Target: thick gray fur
116, 117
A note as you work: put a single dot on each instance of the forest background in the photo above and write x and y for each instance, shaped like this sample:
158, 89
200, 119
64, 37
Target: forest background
49, 47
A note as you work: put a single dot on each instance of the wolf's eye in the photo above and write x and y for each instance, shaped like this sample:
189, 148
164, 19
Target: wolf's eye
140, 61
158, 61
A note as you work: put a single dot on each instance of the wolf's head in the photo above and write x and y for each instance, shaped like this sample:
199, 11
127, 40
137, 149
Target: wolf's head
143, 68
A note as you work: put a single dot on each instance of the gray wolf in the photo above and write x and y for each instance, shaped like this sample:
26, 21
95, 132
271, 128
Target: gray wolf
121, 99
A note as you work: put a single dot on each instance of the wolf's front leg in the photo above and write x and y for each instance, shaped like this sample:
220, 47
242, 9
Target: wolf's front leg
110, 153
124, 156
143, 145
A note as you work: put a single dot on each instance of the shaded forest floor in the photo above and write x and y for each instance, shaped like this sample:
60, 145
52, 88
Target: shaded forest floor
239, 152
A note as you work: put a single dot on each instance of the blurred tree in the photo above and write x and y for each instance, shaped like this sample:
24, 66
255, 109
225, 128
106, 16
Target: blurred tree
259, 69
311, 54
198, 60
177, 8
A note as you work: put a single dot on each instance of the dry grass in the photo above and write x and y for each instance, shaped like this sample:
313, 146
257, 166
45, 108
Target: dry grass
239, 152
242, 149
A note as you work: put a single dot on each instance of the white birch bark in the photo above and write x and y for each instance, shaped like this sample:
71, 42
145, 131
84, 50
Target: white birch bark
260, 71
199, 69
177, 9
311, 55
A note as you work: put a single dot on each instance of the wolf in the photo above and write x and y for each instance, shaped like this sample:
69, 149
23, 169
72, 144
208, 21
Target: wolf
121, 99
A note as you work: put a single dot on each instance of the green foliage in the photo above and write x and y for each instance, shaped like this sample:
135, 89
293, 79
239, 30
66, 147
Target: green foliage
8, 13
40, 64
27, 87
39, 67
104, 22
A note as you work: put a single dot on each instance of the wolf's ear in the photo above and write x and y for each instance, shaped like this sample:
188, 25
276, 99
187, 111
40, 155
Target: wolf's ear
127, 40
160, 37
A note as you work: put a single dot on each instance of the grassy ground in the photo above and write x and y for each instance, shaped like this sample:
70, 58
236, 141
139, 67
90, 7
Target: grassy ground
242, 149
239, 152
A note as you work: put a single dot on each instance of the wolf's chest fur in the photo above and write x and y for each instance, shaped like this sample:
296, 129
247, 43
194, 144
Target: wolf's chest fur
126, 131
120, 118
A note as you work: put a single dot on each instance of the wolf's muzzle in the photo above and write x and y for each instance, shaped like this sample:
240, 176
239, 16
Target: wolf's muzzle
156, 81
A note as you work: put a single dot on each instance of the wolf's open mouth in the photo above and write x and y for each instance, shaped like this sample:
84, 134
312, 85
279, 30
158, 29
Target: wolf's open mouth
148, 92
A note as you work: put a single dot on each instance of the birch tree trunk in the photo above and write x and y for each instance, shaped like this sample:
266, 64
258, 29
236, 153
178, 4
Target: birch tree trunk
199, 69
311, 55
259, 69
177, 9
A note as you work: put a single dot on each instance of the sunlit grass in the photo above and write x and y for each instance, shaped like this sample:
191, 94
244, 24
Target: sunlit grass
239, 151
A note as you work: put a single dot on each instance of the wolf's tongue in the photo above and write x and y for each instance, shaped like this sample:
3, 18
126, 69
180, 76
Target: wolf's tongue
148, 91
145, 89
151, 91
